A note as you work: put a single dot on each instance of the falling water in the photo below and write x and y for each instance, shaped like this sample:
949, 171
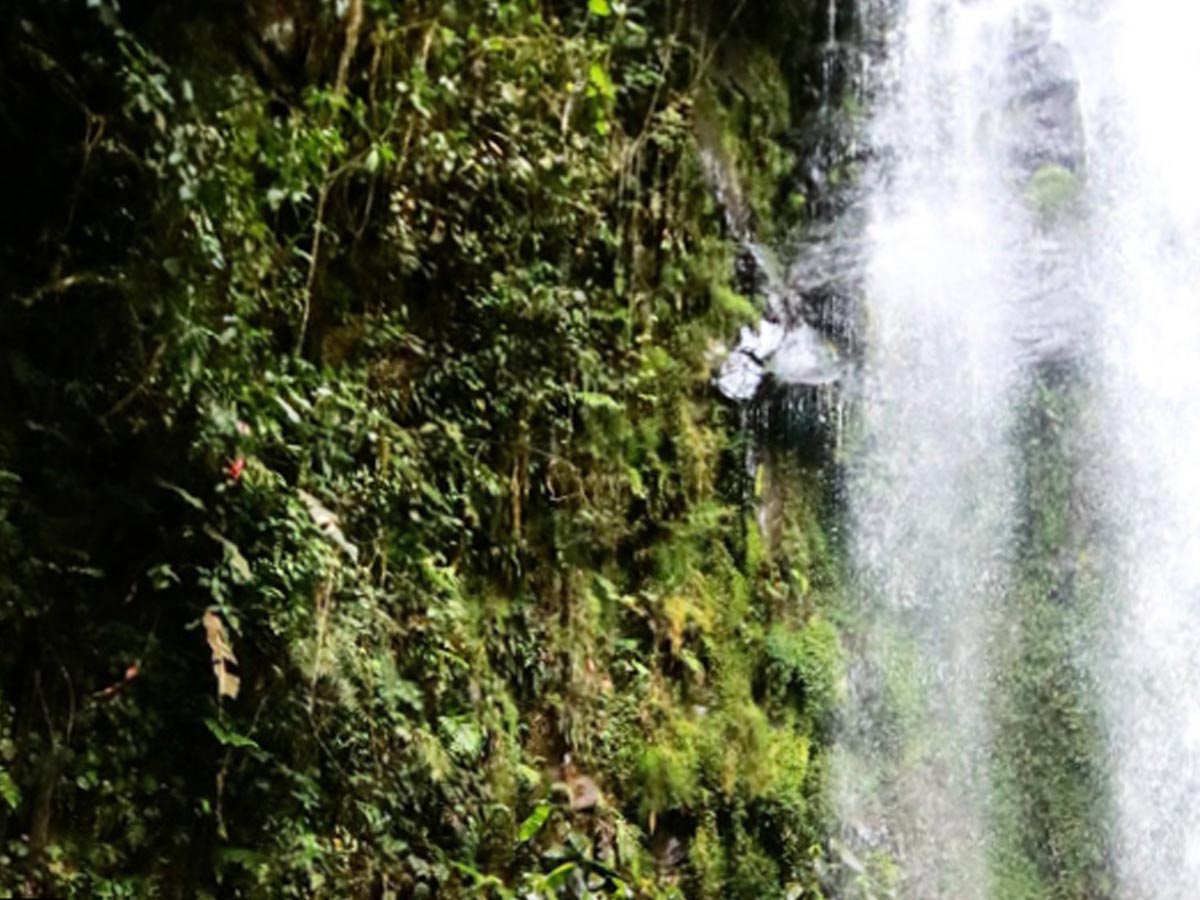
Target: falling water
1032, 209
933, 484
1141, 70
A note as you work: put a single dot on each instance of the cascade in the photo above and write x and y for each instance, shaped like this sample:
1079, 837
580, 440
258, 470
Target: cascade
1140, 70
975, 290
1022, 708
932, 483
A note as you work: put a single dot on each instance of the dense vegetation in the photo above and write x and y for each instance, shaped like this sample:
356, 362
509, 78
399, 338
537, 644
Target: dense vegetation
368, 524
1050, 789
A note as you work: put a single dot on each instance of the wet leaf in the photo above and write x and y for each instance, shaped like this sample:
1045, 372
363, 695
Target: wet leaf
238, 564
533, 823
601, 82
229, 738
558, 877
8, 791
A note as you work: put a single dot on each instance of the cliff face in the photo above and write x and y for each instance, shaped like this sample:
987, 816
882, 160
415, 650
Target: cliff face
370, 524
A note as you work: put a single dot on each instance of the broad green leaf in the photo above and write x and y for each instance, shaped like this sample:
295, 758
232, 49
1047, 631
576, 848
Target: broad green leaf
481, 880
328, 523
558, 877
241, 856
600, 8
465, 737
238, 564
8, 791
288, 410
599, 78
533, 824
229, 738
162, 576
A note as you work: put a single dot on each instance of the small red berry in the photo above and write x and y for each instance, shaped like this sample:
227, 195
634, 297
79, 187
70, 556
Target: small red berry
236, 467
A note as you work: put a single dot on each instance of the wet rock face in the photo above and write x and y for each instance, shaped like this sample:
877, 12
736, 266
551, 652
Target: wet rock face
793, 354
808, 331
1046, 149
1044, 123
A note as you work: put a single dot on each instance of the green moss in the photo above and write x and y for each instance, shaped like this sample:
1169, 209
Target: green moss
742, 113
804, 666
667, 777
707, 862
760, 76
730, 301
753, 874
1054, 194
1049, 784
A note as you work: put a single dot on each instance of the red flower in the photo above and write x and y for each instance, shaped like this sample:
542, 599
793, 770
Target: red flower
236, 467
131, 672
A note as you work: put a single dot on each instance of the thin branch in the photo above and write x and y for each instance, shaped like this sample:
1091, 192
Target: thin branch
354, 20
707, 60
62, 285
151, 371
314, 252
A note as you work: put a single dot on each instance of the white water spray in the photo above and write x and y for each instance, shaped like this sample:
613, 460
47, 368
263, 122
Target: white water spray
1140, 73
989, 116
932, 491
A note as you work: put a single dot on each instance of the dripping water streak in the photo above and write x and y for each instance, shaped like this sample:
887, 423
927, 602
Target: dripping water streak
1141, 70
932, 488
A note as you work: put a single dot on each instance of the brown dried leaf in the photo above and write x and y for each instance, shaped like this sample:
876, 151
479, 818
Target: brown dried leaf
228, 684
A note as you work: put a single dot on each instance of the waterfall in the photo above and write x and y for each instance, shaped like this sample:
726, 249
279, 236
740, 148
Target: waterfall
932, 486
1022, 716
1023, 497
1140, 71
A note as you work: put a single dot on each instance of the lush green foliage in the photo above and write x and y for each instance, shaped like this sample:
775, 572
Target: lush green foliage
368, 526
1050, 783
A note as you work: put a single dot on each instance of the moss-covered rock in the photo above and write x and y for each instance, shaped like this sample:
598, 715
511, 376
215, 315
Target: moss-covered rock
1054, 194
